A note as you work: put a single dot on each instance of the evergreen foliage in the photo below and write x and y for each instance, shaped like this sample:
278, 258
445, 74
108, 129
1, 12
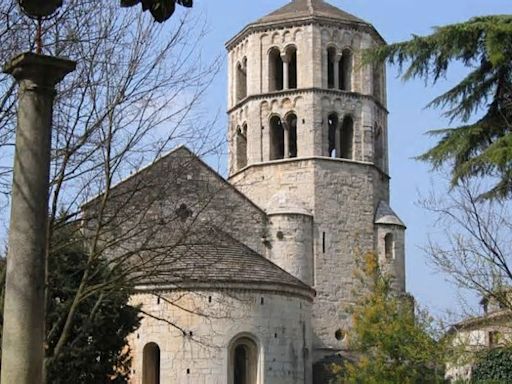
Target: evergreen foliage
96, 350
481, 102
493, 367
161, 10
392, 344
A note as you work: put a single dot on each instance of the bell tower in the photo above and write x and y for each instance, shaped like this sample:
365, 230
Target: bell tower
308, 143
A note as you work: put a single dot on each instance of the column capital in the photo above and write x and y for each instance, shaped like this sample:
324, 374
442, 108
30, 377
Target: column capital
44, 71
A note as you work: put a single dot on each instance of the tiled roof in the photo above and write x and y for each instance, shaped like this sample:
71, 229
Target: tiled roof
211, 256
385, 215
298, 9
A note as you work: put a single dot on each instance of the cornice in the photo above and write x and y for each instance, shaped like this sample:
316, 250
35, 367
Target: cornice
309, 158
308, 20
304, 292
302, 91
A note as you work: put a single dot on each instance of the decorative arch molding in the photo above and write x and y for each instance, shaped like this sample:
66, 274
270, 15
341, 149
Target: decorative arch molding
245, 360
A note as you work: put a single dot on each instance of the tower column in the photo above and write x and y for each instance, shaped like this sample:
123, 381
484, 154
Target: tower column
286, 139
337, 59
286, 65
325, 61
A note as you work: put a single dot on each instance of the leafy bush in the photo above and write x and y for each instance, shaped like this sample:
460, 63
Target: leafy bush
494, 367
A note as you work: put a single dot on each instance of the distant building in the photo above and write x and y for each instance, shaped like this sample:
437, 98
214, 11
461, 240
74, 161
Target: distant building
492, 329
257, 288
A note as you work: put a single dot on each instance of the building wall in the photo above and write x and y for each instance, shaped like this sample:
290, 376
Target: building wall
211, 320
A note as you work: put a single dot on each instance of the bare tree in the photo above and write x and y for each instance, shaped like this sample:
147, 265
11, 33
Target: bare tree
474, 250
135, 94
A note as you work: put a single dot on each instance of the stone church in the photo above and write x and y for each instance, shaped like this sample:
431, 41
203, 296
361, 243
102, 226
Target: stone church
257, 275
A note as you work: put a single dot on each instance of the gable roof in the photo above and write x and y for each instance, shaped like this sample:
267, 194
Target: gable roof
180, 152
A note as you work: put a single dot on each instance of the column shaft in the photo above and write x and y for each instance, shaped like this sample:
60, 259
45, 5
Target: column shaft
23, 330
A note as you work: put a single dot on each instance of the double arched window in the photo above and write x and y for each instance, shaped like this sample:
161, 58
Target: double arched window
243, 361
151, 364
339, 69
283, 137
340, 137
282, 71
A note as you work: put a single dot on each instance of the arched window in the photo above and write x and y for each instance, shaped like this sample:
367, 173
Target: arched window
332, 125
377, 81
276, 138
241, 80
151, 364
347, 138
331, 58
378, 150
243, 367
275, 70
241, 147
291, 128
291, 59
389, 247
345, 70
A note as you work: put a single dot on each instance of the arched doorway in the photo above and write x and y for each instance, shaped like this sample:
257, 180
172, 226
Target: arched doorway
244, 359
151, 364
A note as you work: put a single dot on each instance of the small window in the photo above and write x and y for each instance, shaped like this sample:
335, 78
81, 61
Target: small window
151, 364
494, 339
389, 246
241, 147
331, 58
291, 57
378, 146
332, 128
241, 80
276, 138
275, 70
345, 70
291, 125
377, 81
347, 138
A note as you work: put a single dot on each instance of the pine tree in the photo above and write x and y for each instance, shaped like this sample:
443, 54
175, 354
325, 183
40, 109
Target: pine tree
161, 10
481, 102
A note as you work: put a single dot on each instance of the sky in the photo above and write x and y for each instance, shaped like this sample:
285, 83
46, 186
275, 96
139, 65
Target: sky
396, 20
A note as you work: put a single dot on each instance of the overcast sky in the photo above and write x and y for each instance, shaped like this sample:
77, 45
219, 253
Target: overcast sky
396, 20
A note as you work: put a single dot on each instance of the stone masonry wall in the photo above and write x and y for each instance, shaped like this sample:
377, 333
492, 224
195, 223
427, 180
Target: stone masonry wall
210, 320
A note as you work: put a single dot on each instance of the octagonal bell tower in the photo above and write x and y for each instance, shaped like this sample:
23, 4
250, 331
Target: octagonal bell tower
308, 143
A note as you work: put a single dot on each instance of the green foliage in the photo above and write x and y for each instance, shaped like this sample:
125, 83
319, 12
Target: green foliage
493, 367
96, 350
484, 45
391, 343
161, 10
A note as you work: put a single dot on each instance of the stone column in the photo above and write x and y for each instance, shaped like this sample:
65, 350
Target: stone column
286, 77
23, 330
336, 65
286, 133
